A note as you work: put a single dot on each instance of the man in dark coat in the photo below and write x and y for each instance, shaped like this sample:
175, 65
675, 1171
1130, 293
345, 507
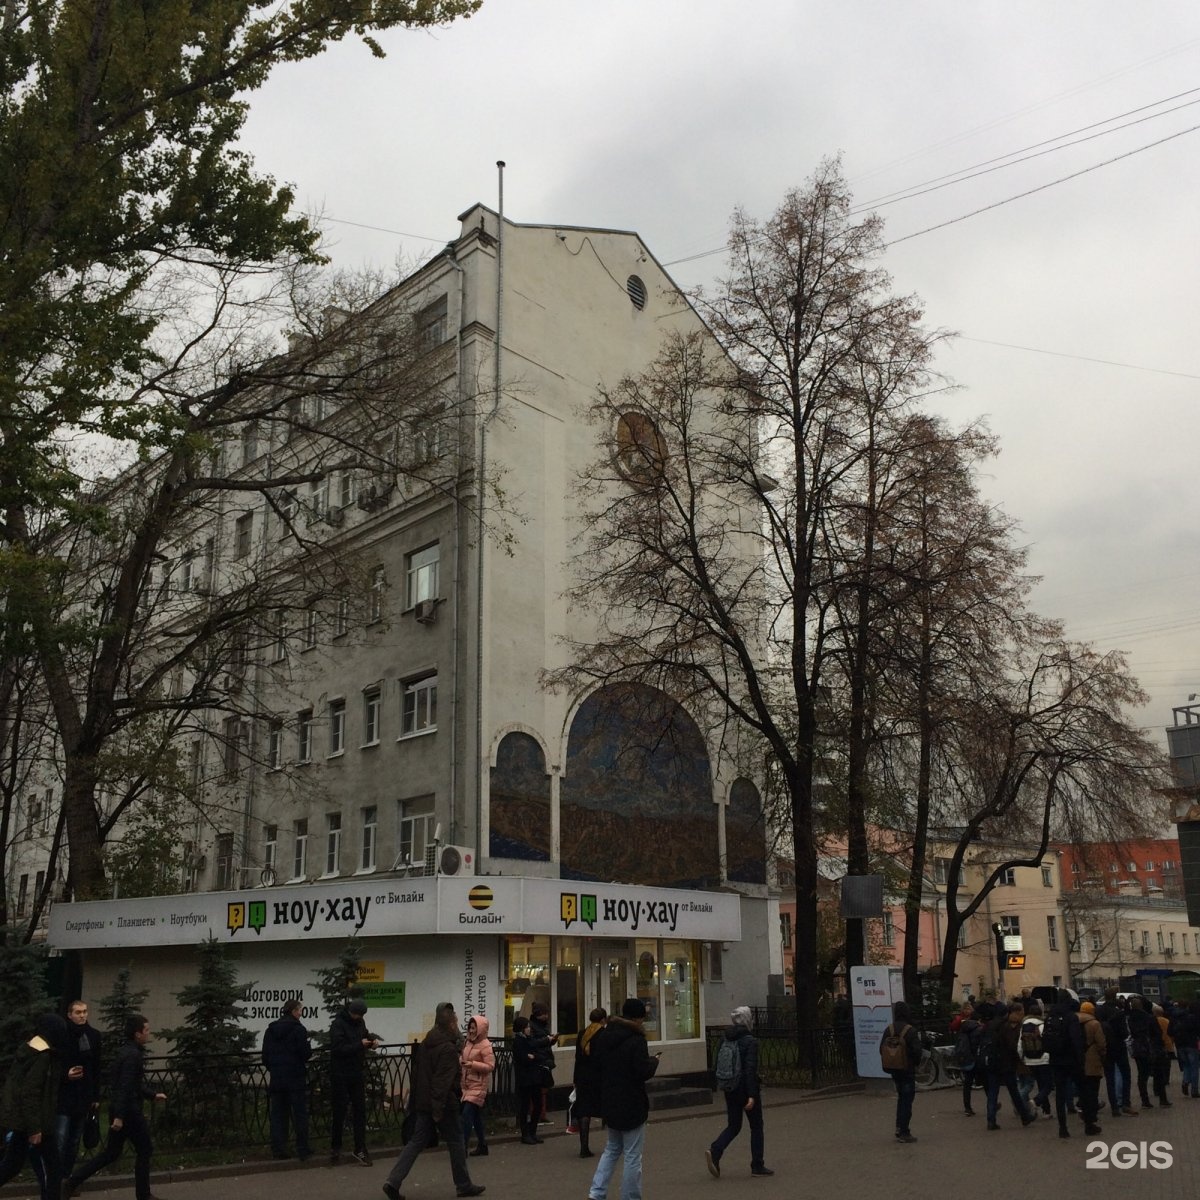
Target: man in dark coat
349, 1041
79, 1088
587, 1079
285, 1050
1117, 1077
127, 1122
742, 1099
1063, 1041
625, 1065
29, 1104
903, 1078
436, 1100
1004, 1036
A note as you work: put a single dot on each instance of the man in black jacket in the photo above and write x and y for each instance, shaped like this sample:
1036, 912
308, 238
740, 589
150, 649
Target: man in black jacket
125, 1112
79, 1088
1063, 1041
742, 1098
285, 1050
1117, 1076
437, 1100
904, 1077
625, 1065
349, 1041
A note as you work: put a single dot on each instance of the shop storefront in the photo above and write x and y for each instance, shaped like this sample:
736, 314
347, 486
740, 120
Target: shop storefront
479, 942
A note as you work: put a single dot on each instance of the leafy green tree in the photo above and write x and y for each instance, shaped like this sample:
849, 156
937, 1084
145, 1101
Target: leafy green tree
23, 995
210, 1045
120, 1003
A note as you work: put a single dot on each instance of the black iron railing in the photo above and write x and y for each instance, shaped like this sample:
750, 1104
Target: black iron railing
816, 1057
219, 1101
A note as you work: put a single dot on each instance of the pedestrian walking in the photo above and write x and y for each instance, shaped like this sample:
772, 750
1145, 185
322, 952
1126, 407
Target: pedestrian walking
79, 1087
1063, 1039
900, 1055
127, 1122
1118, 1079
349, 1042
1145, 1045
29, 1105
1094, 1050
1001, 1053
528, 1078
587, 1080
737, 1078
625, 1066
1161, 1065
437, 1102
543, 1043
970, 1030
1187, 1043
285, 1053
478, 1061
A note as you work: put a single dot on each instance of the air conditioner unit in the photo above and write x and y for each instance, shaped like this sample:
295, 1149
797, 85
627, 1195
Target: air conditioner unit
426, 611
336, 517
456, 860
1143, 950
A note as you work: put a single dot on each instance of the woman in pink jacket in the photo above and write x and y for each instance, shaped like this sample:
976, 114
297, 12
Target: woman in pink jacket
478, 1062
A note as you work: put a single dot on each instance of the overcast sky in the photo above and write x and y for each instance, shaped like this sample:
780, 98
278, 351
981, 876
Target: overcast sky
662, 115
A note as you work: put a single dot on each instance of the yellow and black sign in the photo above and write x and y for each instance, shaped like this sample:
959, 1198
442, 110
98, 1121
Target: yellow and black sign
480, 896
1014, 962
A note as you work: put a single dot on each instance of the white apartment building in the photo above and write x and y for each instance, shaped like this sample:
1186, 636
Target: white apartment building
404, 773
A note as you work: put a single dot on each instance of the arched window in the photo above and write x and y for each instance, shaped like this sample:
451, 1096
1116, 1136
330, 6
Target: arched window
745, 836
519, 801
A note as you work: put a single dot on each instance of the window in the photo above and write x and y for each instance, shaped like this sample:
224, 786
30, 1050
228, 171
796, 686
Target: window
962, 936
416, 829
375, 598
1096, 941
318, 499
289, 508
249, 443
33, 812
239, 652
1149, 866
47, 809
347, 489
1113, 869
1169, 865
275, 746
1010, 926
233, 735
370, 832
1133, 866
785, 929
311, 618
1145, 939
1052, 932
299, 849
1047, 880
431, 325
1074, 868
23, 895
1132, 940
270, 847
279, 636
889, 929
341, 617
243, 535
1008, 877
1161, 945
421, 569
371, 715
1171, 940
39, 886
223, 864
304, 748
337, 727
714, 962
333, 843
420, 706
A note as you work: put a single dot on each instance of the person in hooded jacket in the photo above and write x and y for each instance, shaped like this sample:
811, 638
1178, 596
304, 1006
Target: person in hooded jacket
285, 1053
477, 1061
970, 1030
1063, 1038
1004, 1034
1094, 1051
1145, 1045
1117, 1077
436, 1099
743, 1100
349, 1041
29, 1105
625, 1066
587, 1079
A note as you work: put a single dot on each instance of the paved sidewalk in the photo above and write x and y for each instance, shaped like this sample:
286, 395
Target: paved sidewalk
841, 1143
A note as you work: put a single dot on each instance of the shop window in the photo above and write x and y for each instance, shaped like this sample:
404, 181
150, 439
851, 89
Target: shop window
527, 977
569, 1001
646, 965
681, 991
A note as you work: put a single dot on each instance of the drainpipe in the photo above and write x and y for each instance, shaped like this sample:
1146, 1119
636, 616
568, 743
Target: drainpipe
482, 530
454, 598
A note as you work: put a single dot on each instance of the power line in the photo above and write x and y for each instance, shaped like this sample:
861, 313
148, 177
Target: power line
908, 237
1107, 362
420, 237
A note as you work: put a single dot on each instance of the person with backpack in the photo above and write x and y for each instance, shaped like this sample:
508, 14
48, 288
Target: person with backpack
1000, 1053
1063, 1042
1117, 1076
1037, 1062
969, 1030
737, 1079
900, 1055
1145, 1044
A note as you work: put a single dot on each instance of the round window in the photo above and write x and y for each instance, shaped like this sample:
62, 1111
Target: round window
637, 291
641, 451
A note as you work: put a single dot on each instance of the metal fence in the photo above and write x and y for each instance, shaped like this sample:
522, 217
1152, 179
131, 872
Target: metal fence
220, 1101
815, 1058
